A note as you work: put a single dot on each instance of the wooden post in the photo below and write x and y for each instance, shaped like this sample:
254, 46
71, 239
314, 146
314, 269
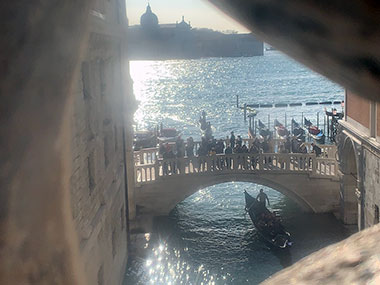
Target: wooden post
328, 127
318, 120
255, 128
291, 125
324, 124
250, 122
302, 120
237, 101
245, 112
286, 121
268, 122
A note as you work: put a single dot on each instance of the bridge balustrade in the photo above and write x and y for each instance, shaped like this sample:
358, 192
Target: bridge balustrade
237, 163
145, 155
150, 155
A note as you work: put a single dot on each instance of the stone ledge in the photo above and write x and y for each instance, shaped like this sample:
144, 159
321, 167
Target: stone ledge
355, 260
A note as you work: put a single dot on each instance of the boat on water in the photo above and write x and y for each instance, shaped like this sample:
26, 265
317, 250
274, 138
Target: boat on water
267, 224
298, 131
319, 138
281, 130
144, 139
313, 130
263, 130
168, 135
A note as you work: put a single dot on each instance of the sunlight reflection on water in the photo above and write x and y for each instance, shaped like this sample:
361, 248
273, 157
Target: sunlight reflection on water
208, 239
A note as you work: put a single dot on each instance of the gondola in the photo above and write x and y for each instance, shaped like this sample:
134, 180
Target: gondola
144, 139
307, 123
281, 130
313, 130
263, 130
319, 138
276, 235
297, 130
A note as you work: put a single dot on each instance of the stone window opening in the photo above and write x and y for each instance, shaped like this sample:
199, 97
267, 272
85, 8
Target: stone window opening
376, 220
106, 152
101, 275
115, 135
122, 218
102, 78
373, 119
91, 171
85, 70
113, 240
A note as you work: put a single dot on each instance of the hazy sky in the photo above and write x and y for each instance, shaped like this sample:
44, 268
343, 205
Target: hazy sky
200, 13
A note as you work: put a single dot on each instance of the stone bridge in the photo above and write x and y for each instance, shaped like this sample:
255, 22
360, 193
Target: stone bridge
312, 182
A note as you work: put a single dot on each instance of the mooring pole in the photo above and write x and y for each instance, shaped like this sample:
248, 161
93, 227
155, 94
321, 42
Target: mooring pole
237, 101
268, 122
286, 123
245, 112
324, 124
255, 128
328, 127
254, 125
291, 125
318, 120
302, 120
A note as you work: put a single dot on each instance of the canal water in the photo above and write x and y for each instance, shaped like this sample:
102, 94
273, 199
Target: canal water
208, 238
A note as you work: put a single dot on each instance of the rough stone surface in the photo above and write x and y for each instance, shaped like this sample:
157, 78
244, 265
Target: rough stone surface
98, 196
355, 260
371, 185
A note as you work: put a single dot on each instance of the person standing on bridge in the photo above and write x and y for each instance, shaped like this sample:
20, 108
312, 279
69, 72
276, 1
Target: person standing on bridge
232, 140
262, 198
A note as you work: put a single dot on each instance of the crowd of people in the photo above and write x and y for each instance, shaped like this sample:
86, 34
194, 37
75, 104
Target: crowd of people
232, 145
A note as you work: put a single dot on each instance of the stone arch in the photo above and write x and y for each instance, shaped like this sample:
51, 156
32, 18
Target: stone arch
350, 208
304, 205
318, 195
188, 189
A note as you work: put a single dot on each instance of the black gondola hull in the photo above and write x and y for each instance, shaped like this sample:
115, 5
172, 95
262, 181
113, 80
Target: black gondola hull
279, 238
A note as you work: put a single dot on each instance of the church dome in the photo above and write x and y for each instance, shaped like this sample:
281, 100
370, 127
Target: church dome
149, 20
183, 25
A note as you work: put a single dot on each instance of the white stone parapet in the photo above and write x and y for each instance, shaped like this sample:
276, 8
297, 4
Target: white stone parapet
149, 155
318, 167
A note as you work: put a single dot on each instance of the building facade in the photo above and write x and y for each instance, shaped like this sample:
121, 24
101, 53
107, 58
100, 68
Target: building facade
100, 149
358, 143
151, 40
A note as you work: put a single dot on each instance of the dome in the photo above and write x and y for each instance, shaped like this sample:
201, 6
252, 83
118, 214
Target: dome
149, 19
183, 25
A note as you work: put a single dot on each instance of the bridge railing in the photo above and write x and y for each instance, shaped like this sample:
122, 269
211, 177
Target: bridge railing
150, 155
241, 163
146, 155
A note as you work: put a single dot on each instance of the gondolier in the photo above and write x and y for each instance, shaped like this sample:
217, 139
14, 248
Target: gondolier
262, 198
267, 224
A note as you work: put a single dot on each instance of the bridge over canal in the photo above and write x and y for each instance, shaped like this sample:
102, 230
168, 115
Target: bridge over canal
312, 182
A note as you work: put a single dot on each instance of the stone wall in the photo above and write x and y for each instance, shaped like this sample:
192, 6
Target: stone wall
98, 186
371, 183
360, 181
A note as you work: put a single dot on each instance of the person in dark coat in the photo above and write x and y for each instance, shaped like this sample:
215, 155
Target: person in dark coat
316, 149
232, 140
262, 198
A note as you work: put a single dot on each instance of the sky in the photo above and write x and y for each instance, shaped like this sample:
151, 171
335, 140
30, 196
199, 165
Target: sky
200, 13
